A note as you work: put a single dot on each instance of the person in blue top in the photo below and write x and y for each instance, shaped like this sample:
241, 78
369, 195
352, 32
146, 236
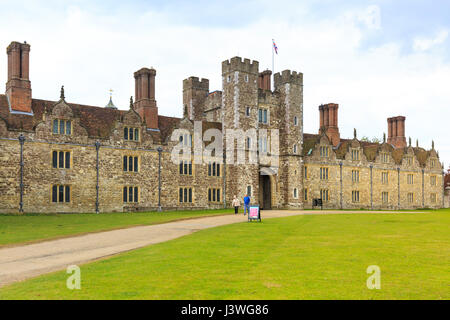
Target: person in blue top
246, 204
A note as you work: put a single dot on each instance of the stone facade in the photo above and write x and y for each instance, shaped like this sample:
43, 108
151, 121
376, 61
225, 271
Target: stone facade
80, 158
447, 189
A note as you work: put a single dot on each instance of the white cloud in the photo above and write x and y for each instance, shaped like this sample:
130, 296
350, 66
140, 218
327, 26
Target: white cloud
371, 17
90, 53
424, 44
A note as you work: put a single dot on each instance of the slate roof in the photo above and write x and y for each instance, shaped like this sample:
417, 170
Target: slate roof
370, 149
447, 179
98, 121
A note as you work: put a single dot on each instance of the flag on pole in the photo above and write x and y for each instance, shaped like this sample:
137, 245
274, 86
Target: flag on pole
275, 46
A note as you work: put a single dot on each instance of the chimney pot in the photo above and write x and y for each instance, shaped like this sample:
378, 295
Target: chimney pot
18, 86
329, 122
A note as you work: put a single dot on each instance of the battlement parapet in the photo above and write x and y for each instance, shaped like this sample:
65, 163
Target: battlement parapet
237, 64
288, 76
196, 83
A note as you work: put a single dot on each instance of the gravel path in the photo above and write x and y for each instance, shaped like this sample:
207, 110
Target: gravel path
22, 262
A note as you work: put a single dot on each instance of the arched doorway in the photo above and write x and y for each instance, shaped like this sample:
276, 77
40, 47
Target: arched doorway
265, 188
265, 193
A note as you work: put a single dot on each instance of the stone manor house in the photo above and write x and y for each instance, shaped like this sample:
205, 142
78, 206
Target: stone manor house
57, 156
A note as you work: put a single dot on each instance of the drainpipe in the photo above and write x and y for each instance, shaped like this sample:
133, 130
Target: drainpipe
340, 165
371, 186
97, 148
443, 190
22, 141
159, 178
224, 181
398, 187
423, 188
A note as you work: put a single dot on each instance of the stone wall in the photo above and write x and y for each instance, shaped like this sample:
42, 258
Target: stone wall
240, 91
371, 185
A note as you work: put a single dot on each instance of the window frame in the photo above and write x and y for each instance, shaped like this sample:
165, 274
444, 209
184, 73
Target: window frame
67, 124
214, 195
355, 152
131, 134
61, 159
263, 116
356, 196
66, 194
131, 194
324, 173
433, 198
385, 177
185, 195
324, 192
385, 197
433, 180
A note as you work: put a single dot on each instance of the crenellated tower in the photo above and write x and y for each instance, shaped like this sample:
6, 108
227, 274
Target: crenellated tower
195, 92
239, 112
240, 91
289, 85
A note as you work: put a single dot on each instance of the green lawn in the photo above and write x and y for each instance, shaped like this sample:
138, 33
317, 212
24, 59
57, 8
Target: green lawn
301, 257
33, 227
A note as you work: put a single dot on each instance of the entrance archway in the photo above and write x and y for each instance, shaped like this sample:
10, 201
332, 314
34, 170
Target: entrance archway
265, 193
266, 187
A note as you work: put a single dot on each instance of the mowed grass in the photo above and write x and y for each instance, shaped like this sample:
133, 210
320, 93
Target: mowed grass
32, 227
300, 257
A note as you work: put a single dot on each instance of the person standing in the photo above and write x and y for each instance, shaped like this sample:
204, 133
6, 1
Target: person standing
246, 204
236, 204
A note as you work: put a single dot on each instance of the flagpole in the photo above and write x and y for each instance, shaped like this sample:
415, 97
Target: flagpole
273, 49
273, 75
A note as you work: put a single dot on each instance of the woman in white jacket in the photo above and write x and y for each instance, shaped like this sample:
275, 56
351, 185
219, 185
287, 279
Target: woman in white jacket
236, 204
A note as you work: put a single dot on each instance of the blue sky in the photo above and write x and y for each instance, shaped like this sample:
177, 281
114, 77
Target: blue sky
375, 58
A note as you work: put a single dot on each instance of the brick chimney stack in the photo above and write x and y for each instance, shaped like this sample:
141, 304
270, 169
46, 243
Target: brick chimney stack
18, 86
264, 80
329, 122
396, 131
145, 103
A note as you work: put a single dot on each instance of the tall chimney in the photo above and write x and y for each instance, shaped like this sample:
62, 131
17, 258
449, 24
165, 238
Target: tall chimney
264, 80
18, 86
329, 122
145, 103
396, 131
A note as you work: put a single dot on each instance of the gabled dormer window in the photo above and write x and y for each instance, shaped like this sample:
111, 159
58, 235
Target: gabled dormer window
433, 163
324, 152
186, 140
385, 157
131, 134
355, 154
61, 126
409, 161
